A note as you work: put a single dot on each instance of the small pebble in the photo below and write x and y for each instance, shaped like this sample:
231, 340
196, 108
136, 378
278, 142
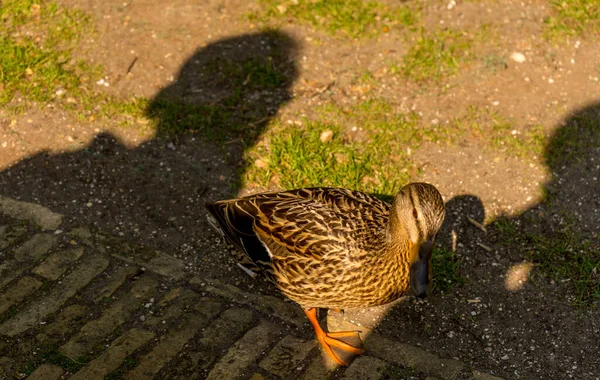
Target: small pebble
518, 57
326, 136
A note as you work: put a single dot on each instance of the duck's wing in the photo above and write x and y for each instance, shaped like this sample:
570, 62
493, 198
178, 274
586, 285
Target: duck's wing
297, 230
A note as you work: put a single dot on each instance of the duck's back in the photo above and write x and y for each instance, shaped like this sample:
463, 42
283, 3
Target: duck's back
318, 245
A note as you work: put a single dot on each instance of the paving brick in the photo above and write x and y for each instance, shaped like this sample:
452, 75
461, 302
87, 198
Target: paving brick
202, 360
114, 316
63, 325
227, 328
40, 215
9, 234
153, 260
17, 292
112, 358
319, 368
57, 263
172, 343
37, 311
6, 367
366, 368
35, 247
410, 356
182, 300
285, 357
484, 376
46, 372
83, 234
399, 353
116, 280
170, 296
288, 311
32, 250
244, 352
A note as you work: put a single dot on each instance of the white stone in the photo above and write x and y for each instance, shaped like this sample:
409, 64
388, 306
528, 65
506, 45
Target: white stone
518, 57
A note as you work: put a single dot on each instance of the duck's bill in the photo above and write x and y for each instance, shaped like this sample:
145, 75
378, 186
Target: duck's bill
420, 271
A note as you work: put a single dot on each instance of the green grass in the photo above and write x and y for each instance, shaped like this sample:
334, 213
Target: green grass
499, 133
373, 158
36, 65
435, 56
562, 256
567, 257
35, 43
572, 18
446, 270
350, 18
371, 146
173, 118
234, 115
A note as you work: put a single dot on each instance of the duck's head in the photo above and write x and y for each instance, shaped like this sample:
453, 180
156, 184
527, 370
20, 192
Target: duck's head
419, 211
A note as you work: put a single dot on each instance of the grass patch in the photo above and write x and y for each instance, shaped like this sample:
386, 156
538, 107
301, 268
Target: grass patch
302, 160
350, 18
35, 43
561, 256
173, 117
446, 266
499, 132
572, 18
36, 65
566, 257
36, 62
435, 56
234, 115
373, 158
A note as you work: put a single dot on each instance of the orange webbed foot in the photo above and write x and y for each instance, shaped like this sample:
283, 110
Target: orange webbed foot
341, 346
339, 350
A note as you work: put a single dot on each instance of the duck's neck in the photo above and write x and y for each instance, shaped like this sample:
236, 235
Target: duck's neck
397, 239
398, 246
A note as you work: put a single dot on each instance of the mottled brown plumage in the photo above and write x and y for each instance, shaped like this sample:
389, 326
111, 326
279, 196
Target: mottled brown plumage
335, 248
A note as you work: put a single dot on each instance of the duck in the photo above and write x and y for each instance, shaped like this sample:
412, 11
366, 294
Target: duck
335, 248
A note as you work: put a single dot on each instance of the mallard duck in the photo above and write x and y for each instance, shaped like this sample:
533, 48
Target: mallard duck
335, 248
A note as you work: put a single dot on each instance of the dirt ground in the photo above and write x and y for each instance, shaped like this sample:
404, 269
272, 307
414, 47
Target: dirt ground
152, 190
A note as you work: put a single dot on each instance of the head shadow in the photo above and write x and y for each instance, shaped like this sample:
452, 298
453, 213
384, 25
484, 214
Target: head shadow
229, 90
572, 197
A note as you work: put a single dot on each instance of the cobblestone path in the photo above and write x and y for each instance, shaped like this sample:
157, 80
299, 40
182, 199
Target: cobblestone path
78, 304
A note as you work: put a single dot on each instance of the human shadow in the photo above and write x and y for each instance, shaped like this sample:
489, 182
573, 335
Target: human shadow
485, 321
218, 106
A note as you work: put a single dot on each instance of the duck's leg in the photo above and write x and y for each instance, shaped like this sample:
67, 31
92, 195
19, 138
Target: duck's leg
330, 341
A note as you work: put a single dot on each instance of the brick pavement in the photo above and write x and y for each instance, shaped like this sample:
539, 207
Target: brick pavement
78, 304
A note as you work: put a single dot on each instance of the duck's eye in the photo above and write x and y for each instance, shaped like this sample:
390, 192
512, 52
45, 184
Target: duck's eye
415, 213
